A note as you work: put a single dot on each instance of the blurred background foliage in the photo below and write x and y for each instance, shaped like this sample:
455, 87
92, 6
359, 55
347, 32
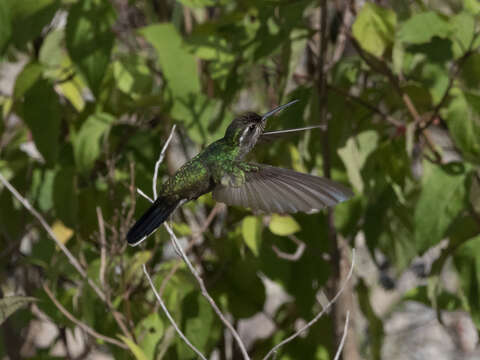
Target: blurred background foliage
89, 91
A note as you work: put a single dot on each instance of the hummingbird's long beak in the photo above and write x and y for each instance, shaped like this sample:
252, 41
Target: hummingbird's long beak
277, 109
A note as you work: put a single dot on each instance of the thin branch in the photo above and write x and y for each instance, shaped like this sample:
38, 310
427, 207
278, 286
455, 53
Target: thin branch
296, 255
103, 246
342, 342
160, 159
170, 318
75, 263
144, 195
206, 294
80, 324
319, 315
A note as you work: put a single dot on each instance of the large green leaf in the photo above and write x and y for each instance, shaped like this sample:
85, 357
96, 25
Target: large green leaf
27, 78
5, 25
42, 115
10, 304
29, 17
150, 330
422, 27
65, 196
463, 30
283, 225
463, 121
197, 319
374, 28
468, 264
178, 66
90, 39
86, 145
252, 233
442, 198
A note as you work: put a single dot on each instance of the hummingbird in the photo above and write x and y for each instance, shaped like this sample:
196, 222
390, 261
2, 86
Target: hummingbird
220, 168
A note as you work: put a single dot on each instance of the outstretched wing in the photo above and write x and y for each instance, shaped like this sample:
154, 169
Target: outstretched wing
278, 190
270, 136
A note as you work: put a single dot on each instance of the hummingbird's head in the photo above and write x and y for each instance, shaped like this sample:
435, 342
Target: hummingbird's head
245, 130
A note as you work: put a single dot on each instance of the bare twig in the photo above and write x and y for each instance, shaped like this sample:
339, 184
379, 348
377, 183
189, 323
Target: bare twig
296, 255
342, 342
160, 159
103, 245
75, 263
170, 318
206, 294
319, 315
181, 253
80, 324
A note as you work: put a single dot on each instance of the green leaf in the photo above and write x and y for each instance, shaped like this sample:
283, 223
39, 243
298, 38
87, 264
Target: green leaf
472, 6
421, 28
283, 225
29, 17
150, 330
5, 26
198, 319
42, 115
27, 78
52, 52
463, 120
134, 348
198, 3
86, 145
132, 75
65, 196
90, 39
252, 233
442, 198
178, 66
467, 262
10, 304
374, 28
355, 153
463, 30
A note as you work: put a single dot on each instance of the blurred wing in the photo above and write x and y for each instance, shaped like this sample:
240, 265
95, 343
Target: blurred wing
269, 136
277, 190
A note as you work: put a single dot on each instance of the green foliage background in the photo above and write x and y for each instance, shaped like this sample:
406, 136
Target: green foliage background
102, 83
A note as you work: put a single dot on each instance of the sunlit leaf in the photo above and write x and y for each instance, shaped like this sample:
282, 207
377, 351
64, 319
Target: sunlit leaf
150, 331
178, 66
374, 28
86, 145
283, 225
422, 27
10, 304
252, 233
134, 348
62, 232
441, 200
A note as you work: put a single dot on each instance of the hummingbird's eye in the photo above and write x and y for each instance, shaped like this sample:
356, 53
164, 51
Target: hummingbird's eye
251, 127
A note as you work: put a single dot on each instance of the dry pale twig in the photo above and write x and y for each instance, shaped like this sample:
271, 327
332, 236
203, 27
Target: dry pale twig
344, 336
103, 245
180, 251
318, 316
170, 318
80, 324
160, 159
48, 229
296, 255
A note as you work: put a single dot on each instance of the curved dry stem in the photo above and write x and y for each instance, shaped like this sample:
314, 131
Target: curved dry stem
169, 316
318, 316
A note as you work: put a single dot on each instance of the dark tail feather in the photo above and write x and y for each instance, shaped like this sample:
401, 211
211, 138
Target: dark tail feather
151, 220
